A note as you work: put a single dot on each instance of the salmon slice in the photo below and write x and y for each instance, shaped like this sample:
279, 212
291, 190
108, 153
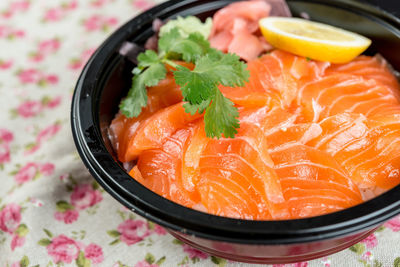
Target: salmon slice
160, 169
242, 163
122, 129
320, 183
191, 159
152, 132
256, 92
296, 134
370, 68
366, 148
237, 167
274, 80
313, 183
340, 93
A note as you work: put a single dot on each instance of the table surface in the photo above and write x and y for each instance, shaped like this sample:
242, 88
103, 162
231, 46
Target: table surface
52, 213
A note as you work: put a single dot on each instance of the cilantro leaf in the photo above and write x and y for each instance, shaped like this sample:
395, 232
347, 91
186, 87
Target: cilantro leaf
148, 58
167, 40
227, 70
221, 117
196, 87
154, 74
210, 71
193, 108
201, 42
199, 86
132, 105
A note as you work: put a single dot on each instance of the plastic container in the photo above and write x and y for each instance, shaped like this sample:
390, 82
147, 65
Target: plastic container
106, 79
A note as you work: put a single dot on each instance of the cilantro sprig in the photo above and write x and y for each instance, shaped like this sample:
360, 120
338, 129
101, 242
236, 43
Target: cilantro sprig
199, 86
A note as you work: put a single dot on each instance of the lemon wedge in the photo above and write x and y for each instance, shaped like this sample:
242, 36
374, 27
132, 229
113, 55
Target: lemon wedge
312, 39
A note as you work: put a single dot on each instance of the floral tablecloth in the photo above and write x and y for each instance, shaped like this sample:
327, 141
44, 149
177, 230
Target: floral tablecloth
52, 213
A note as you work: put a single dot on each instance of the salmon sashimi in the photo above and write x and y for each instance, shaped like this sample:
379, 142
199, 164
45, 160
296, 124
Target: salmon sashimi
314, 138
233, 170
313, 183
157, 128
311, 180
162, 95
340, 93
274, 80
250, 166
191, 160
151, 132
366, 148
166, 93
370, 68
160, 169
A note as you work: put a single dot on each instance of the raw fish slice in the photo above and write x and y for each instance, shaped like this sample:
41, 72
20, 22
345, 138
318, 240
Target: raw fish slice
310, 173
153, 131
258, 156
275, 75
384, 109
375, 163
223, 194
198, 142
238, 162
339, 132
342, 189
254, 93
245, 158
308, 170
366, 148
280, 126
340, 93
247, 97
160, 169
313, 183
300, 68
375, 68
260, 91
123, 129
274, 80
296, 134
191, 159
270, 121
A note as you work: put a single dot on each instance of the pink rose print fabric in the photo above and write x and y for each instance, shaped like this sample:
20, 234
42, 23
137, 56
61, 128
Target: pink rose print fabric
52, 212
6, 137
94, 253
63, 249
10, 217
85, 196
131, 231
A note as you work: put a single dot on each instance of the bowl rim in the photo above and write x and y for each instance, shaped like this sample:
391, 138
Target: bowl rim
113, 178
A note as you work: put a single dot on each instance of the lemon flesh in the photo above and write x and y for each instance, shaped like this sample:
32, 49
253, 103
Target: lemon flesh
312, 39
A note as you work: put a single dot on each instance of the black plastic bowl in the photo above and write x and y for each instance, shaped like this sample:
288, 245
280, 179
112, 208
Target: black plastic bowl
106, 79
